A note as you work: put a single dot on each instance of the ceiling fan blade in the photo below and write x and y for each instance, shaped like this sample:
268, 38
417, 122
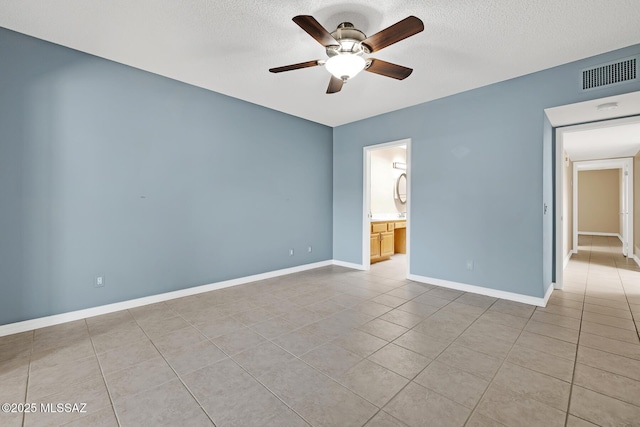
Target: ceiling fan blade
398, 31
335, 85
294, 66
388, 69
315, 30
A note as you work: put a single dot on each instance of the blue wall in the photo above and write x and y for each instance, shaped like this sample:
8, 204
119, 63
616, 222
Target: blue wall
481, 171
155, 184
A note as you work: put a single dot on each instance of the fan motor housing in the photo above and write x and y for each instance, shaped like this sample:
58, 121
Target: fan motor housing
350, 39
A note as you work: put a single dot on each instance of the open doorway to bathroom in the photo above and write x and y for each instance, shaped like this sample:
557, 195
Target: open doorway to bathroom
386, 213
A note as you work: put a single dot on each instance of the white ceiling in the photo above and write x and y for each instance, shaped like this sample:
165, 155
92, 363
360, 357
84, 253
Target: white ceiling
617, 138
228, 45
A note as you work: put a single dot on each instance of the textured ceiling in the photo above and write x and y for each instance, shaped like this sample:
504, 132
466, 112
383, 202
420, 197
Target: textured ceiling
228, 45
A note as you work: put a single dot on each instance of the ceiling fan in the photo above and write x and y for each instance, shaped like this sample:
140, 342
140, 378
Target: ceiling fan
346, 47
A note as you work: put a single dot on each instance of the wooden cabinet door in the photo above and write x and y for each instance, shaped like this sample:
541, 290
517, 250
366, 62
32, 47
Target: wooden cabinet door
386, 246
375, 246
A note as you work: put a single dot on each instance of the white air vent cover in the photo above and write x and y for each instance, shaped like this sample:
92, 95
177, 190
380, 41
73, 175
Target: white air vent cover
621, 71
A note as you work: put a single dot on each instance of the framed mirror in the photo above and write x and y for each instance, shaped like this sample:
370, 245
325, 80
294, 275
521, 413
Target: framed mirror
401, 188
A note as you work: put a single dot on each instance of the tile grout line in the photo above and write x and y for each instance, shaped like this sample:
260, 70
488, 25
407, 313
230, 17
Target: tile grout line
475, 407
171, 367
26, 389
575, 361
104, 379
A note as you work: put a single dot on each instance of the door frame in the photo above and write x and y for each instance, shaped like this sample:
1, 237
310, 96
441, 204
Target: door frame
626, 198
559, 185
366, 198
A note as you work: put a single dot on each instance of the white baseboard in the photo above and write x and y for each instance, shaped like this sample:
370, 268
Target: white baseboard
349, 265
566, 259
511, 296
28, 325
598, 233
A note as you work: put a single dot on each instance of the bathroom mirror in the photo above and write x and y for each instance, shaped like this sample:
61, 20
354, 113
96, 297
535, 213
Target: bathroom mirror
401, 188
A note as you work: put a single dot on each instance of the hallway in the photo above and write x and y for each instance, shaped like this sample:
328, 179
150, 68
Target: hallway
601, 299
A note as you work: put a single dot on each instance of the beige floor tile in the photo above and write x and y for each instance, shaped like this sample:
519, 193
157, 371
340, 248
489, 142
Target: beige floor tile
214, 328
609, 362
608, 311
573, 421
286, 418
169, 404
555, 319
561, 311
543, 388
382, 329
382, 419
326, 403
57, 378
402, 318
418, 406
158, 327
557, 347
441, 330
360, 343
513, 409
389, 300
431, 300
331, 359
620, 305
373, 382
230, 396
602, 410
262, 359
457, 385
544, 363
194, 356
91, 396
611, 332
614, 321
11, 419
470, 361
103, 418
513, 308
13, 389
176, 340
237, 341
505, 319
621, 348
553, 331
400, 360
148, 374
422, 310
119, 338
299, 342
478, 420
607, 383
421, 344
124, 357
476, 300
484, 343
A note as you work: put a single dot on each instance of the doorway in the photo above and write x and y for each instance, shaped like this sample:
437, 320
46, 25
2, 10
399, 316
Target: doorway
607, 144
394, 210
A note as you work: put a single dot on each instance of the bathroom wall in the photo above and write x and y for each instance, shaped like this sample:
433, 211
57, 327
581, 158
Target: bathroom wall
383, 180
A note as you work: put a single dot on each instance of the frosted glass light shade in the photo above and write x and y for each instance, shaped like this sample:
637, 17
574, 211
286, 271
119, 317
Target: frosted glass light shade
345, 65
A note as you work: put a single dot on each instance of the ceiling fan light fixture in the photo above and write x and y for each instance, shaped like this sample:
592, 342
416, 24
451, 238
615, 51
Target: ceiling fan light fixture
345, 66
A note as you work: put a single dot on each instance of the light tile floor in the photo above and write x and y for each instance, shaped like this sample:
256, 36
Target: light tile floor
337, 347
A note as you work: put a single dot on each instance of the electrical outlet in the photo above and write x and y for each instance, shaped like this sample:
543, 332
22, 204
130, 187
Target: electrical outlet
310, 249
99, 283
469, 264
290, 252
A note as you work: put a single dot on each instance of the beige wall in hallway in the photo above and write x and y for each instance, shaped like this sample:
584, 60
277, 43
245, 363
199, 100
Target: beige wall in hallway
636, 203
567, 205
599, 201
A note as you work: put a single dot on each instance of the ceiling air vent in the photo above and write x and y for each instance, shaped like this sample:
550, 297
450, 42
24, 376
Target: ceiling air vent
611, 73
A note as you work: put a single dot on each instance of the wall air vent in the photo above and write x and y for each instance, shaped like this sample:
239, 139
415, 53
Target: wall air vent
621, 71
